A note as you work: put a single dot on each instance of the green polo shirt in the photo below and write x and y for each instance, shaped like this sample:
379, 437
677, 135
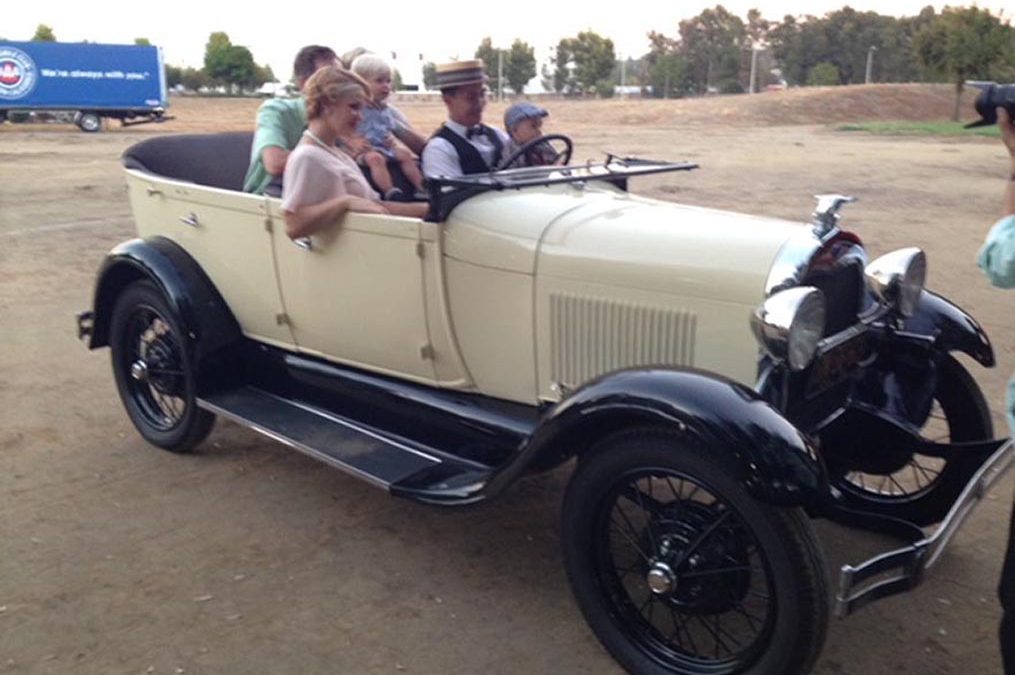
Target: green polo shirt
280, 122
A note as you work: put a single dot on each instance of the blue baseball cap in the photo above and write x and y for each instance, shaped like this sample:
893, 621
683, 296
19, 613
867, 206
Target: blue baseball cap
522, 111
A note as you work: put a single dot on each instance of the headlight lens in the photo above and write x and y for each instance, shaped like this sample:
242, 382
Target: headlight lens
897, 278
790, 324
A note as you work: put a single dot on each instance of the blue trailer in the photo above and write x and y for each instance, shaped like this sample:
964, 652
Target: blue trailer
92, 81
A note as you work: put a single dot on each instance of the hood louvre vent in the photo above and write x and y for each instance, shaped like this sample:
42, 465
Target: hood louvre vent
592, 336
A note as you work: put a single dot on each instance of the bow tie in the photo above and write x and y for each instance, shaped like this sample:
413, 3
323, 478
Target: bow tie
474, 131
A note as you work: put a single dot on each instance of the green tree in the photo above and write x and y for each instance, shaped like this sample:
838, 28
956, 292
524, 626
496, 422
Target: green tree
264, 74
562, 77
229, 64
667, 68
823, 74
713, 44
429, 75
584, 64
194, 79
143, 42
174, 76
216, 54
488, 53
520, 66
964, 43
43, 33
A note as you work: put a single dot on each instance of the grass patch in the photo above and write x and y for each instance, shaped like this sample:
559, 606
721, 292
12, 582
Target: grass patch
904, 128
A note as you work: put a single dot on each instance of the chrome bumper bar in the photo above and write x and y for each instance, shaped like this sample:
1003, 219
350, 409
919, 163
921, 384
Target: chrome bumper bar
902, 569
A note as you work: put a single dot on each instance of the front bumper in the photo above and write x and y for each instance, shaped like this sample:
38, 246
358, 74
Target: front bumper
901, 570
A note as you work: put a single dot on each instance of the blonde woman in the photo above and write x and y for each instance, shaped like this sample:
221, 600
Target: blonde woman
321, 182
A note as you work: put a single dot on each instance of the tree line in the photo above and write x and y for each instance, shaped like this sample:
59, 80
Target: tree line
715, 52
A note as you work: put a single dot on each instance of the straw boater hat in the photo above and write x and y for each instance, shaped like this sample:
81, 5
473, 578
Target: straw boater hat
460, 73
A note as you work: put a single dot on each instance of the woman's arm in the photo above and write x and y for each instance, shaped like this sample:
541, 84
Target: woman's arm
409, 209
306, 220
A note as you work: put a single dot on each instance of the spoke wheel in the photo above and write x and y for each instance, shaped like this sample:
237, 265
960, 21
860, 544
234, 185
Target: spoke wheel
923, 488
152, 371
678, 570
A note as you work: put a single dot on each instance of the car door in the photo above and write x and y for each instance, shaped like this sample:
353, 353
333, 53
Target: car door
225, 233
355, 295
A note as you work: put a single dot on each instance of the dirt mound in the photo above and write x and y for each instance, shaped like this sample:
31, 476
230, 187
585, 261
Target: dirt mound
821, 105
810, 105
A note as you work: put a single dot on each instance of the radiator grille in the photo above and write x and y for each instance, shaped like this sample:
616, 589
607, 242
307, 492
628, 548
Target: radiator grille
592, 336
842, 287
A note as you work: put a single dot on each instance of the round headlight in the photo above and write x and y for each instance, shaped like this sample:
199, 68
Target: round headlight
897, 278
790, 324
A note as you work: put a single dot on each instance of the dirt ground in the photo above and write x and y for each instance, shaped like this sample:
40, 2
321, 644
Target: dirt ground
248, 558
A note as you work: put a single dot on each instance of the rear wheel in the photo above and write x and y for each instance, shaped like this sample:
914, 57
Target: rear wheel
153, 372
88, 121
677, 569
923, 488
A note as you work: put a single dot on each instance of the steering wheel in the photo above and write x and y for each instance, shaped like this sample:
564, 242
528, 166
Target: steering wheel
564, 154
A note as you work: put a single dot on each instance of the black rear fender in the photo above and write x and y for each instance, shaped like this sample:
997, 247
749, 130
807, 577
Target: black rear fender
208, 324
769, 455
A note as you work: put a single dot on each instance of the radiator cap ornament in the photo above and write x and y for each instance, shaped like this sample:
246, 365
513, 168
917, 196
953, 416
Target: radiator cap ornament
826, 215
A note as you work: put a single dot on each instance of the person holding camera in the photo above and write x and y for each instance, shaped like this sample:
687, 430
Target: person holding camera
997, 260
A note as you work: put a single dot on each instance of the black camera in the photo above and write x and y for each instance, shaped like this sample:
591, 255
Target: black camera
992, 96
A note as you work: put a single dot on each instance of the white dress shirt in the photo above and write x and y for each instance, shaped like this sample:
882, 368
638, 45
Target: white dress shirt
440, 158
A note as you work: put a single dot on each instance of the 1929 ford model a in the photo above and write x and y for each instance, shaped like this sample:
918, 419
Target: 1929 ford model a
545, 314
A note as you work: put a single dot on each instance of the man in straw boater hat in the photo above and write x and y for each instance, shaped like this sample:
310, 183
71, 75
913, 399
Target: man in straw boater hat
463, 144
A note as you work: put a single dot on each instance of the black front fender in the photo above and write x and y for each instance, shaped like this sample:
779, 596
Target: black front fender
770, 456
950, 327
208, 323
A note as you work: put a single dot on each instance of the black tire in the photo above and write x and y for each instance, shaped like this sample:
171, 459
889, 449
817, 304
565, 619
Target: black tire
88, 122
925, 488
648, 501
153, 371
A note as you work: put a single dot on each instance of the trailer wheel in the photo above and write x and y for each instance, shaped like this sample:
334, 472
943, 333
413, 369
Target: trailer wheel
88, 121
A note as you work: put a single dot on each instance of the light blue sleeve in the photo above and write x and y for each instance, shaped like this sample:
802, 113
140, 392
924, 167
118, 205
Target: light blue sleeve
1011, 407
997, 256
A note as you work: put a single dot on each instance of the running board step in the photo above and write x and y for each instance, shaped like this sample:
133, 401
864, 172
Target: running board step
361, 451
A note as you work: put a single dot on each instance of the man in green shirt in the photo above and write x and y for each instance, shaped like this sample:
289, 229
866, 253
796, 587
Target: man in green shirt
280, 123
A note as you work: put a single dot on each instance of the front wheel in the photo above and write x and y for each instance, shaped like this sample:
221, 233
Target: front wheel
153, 371
677, 569
921, 488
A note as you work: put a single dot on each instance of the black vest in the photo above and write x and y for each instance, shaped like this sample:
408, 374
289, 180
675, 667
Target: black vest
468, 156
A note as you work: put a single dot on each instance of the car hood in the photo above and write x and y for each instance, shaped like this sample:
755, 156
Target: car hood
606, 236
679, 250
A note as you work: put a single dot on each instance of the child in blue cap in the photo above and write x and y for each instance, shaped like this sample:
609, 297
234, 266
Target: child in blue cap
524, 122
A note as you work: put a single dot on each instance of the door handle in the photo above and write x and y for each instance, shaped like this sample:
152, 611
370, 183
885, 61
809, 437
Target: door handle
306, 243
190, 219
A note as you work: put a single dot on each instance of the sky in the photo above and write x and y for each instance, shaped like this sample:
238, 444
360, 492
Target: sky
440, 30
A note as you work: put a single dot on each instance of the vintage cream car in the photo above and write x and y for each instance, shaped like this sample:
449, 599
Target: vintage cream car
719, 377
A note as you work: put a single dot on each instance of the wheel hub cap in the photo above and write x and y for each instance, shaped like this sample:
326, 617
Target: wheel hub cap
139, 371
661, 579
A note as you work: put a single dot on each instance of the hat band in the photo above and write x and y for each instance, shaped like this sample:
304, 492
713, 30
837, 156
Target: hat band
445, 80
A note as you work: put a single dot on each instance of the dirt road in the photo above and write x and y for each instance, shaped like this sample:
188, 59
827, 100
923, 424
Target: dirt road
248, 558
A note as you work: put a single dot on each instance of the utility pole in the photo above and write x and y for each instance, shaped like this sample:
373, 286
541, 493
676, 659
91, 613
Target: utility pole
870, 63
754, 70
623, 79
500, 74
